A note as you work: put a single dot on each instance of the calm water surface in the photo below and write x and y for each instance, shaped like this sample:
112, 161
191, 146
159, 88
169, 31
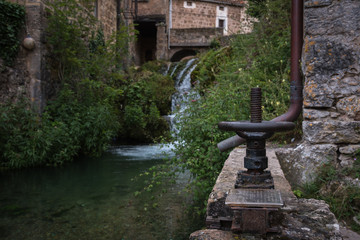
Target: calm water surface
93, 199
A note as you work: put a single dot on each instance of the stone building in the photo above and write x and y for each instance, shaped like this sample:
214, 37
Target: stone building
28, 77
168, 30
173, 29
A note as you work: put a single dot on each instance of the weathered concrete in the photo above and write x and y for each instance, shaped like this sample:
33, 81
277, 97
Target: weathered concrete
298, 219
226, 181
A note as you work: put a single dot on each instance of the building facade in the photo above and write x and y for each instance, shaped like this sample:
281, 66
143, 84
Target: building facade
172, 29
167, 30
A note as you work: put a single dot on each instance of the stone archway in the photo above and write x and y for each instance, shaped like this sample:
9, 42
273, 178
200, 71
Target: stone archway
181, 54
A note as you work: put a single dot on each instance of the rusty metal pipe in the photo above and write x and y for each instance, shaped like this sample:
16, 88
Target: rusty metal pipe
296, 85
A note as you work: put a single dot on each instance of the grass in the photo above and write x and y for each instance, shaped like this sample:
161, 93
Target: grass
333, 186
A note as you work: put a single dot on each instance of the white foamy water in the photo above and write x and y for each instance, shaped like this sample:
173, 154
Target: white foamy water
143, 152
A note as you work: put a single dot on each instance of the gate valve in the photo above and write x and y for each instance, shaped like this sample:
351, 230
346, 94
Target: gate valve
255, 132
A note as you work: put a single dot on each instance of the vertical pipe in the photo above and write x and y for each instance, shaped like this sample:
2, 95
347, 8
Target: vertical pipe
296, 85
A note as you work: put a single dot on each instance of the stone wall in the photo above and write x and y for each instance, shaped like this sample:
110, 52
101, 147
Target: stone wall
239, 21
26, 78
203, 14
14, 82
29, 77
190, 24
194, 36
153, 7
107, 16
331, 68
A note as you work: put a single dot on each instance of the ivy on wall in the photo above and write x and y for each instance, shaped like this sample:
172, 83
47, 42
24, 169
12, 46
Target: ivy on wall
12, 17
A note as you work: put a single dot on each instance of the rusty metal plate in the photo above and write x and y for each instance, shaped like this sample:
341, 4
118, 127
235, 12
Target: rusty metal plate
254, 198
255, 221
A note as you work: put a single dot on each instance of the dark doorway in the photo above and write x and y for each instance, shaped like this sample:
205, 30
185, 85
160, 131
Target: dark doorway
146, 42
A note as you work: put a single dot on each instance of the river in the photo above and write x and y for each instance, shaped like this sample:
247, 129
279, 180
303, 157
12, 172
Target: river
94, 199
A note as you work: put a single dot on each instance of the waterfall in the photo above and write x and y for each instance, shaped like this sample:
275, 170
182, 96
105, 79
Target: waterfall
184, 92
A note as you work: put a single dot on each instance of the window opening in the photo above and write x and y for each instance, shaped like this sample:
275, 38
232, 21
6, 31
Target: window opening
189, 4
221, 23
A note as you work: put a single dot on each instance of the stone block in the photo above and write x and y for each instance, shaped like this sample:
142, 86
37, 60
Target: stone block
300, 164
337, 18
350, 106
312, 114
326, 56
344, 87
317, 3
346, 157
331, 131
346, 160
350, 149
318, 96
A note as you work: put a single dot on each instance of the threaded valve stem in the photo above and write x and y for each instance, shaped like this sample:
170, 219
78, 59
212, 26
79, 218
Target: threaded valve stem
255, 105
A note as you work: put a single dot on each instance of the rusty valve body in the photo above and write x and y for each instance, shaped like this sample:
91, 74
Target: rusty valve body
255, 132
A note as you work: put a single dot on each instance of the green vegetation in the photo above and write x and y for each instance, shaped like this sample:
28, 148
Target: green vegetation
147, 98
68, 128
92, 99
224, 77
81, 117
12, 17
335, 187
77, 48
256, 8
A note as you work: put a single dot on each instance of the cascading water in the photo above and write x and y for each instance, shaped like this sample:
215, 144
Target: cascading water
184, 92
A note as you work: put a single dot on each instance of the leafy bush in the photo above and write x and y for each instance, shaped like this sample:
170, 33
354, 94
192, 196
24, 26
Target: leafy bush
224, 78
68, 127
79, 51
256, 8
77, 48
146, 99
81, 117
12, 17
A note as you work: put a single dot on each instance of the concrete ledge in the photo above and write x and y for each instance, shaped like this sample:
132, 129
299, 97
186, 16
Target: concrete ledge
299, 218
226, 181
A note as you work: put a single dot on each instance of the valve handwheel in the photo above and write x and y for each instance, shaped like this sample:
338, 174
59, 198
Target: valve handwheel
255, 132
